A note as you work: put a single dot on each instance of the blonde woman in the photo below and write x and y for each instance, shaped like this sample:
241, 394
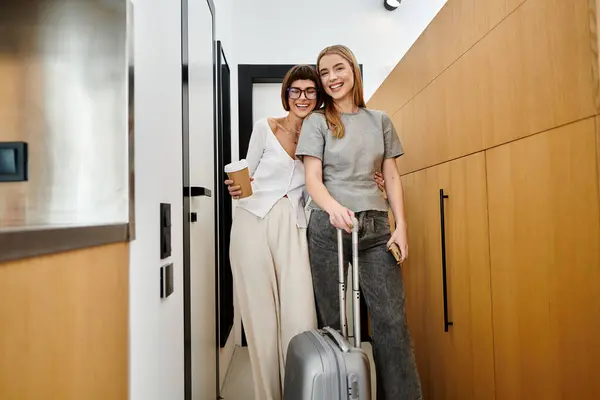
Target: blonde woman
268, 250
342, 146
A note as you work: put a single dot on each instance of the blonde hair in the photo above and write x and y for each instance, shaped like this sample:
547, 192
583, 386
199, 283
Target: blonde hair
332, 114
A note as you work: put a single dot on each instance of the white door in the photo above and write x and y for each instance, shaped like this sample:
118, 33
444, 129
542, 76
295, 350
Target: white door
201, 149
266, 101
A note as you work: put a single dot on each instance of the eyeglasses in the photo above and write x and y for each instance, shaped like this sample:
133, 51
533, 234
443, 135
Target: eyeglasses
295, 93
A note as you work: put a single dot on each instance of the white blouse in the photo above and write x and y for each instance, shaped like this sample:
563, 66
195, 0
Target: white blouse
275, 174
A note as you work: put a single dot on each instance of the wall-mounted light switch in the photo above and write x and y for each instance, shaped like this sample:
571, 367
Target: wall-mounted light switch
13, 161
166, 281
165, 230
169, 286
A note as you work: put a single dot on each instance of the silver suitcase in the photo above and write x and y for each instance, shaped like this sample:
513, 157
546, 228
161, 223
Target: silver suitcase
322, 364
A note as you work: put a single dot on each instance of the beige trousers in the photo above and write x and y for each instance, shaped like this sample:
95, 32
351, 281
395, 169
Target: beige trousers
273, 284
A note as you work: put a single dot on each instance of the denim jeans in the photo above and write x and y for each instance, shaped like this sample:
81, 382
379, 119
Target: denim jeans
381, 283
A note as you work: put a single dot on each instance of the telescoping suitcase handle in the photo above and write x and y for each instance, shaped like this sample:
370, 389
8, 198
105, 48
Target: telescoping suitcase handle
355, 284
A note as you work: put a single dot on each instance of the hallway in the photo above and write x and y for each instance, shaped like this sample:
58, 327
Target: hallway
117, 118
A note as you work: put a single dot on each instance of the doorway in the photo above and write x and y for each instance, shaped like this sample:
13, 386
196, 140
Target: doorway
225, 301
225, 306
259, 96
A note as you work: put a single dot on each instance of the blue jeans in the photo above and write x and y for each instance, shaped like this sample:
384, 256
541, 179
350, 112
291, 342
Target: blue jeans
381, 283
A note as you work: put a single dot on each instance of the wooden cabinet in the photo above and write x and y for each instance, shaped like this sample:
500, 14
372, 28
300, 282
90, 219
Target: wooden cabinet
457, 362
65, 325
522, 290
509, 128
529, 74
545, 262
422, 277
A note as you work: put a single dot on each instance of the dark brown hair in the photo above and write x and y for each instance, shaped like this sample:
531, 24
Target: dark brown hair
334, 120
300, 72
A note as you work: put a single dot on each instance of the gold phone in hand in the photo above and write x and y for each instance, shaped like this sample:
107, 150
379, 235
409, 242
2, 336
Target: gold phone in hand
395, 250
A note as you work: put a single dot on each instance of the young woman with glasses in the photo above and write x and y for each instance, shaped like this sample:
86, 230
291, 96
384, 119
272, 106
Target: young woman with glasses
341, 148
268, 250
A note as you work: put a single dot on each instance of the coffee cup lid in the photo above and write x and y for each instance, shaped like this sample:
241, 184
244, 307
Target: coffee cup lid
236, 166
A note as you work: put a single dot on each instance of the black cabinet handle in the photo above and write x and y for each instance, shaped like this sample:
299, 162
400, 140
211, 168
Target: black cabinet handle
195, 191
444, 283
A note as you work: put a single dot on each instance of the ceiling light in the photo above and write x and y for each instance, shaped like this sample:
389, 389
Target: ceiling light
391, 5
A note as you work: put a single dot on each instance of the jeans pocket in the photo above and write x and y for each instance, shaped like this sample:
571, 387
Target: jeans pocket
381, 222
319, 228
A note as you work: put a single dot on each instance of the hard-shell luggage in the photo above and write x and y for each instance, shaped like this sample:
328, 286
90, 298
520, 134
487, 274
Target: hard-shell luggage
322, 364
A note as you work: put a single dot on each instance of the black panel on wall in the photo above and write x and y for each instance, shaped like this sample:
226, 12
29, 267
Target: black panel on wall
248, 75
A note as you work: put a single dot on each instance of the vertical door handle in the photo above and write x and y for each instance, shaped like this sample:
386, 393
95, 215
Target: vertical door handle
447, 323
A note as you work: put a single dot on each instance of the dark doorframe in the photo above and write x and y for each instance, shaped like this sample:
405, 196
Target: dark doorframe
248, 75
225, 313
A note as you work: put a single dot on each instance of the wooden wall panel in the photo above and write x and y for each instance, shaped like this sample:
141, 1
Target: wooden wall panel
422, 281
544, 212
530, 74
12, 77
64, 326
594, 42
458, 364
13, 195
598, 151
461, 23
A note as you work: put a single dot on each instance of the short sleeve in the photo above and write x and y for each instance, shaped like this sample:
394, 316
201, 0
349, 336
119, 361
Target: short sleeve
312, 137
393, 147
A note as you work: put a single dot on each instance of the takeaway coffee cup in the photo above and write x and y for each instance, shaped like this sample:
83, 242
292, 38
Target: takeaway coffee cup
237, 171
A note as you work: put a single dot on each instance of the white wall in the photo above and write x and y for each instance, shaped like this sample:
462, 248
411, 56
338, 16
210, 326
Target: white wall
224, 25
290, 31
156, 326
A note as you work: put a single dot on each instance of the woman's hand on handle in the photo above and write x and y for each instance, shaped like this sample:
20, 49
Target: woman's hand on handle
235, 191
341, 217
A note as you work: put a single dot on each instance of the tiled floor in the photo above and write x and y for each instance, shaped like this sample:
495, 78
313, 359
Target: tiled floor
238, 382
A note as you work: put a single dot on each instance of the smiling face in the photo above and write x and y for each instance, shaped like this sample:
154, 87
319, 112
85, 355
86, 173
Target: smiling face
302, 97
337, 76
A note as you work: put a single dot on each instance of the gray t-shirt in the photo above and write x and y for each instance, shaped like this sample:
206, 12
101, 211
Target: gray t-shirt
350, 162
